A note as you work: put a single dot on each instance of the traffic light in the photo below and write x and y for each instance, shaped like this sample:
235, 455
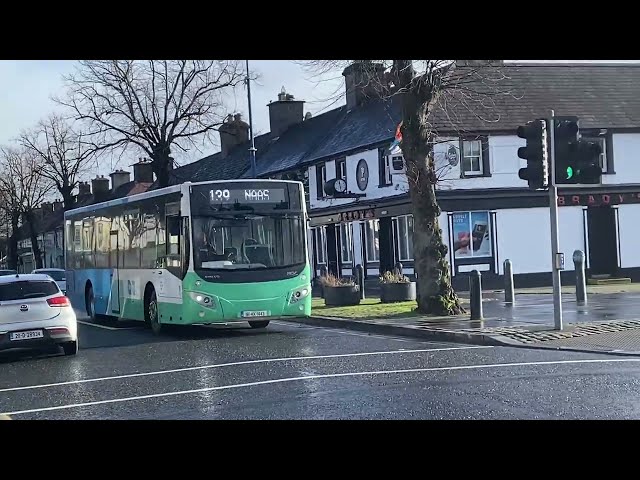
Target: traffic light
535, 153
577, 161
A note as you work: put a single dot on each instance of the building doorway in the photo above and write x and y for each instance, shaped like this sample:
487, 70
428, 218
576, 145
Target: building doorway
603, 240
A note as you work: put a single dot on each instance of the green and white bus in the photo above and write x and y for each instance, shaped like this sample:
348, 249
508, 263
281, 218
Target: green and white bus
197, 253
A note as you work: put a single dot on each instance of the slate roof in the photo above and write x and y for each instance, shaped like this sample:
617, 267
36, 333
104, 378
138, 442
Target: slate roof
602, 96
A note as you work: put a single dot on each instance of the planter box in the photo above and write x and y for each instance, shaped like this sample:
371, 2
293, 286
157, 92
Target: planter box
397, 292
342, 296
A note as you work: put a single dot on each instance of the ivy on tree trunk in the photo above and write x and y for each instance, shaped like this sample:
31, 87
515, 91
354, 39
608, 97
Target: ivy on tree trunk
435, 294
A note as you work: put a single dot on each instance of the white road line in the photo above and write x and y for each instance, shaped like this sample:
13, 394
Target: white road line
315, 377
106, 327
232, 364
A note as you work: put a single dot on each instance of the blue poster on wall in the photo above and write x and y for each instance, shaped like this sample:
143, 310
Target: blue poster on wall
471, 234
461, 235
480, 234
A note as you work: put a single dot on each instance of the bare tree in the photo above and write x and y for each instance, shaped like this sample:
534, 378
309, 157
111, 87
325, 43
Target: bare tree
154, 105
24, 188
437, 97
65, 153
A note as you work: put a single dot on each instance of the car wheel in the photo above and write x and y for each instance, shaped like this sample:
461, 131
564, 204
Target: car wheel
259, 324
152, 312
70, 348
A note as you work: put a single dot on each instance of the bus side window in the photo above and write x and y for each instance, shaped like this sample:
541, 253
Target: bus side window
173, 236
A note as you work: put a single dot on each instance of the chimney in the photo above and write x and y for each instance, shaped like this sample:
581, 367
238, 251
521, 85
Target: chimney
84, 189
364, 80
57, 205
47, 208
118, 178
233, 131
143, 171
284, 112
100, 186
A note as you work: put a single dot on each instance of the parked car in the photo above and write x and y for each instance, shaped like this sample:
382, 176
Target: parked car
58, 275
7, 272
35, 313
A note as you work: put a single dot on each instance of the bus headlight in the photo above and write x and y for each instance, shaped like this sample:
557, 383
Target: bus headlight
299, 294
203, 299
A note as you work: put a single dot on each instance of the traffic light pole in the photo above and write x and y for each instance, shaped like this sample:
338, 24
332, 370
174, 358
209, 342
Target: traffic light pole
553, 214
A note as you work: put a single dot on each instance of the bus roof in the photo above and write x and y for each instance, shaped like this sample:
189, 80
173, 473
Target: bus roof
159, 192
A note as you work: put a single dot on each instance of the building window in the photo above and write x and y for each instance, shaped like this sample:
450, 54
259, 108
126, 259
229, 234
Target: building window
321, 245
372, 235
472, 158
472, 234
321, 179
405, 237
346, 243
341, 168
384, 168
603, 156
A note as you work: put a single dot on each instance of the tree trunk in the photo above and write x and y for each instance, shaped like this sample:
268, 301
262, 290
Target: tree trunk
68, 201
37, 254
161, 164
67, 196
12, 251
434, 292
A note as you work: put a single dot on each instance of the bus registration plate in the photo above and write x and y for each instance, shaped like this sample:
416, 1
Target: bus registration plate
255, 313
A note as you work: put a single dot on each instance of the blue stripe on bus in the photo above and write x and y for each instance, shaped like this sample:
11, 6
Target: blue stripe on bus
101, 282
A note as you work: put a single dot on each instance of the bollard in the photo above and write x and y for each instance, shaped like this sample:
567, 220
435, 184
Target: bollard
475, 294
398, 268
581, 281
509, 296
360, 279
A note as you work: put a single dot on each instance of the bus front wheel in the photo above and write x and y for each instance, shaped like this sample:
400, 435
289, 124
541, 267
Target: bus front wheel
259, 323
151, 312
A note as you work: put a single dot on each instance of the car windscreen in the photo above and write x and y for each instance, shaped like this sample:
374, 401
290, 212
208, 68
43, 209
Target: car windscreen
24, 290
57, 275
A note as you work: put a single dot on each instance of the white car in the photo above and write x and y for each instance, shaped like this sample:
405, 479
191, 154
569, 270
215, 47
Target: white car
59, 275
35, 313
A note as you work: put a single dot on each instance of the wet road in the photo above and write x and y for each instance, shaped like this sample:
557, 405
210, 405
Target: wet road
292, 371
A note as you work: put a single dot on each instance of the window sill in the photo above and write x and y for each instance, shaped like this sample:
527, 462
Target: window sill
475, 175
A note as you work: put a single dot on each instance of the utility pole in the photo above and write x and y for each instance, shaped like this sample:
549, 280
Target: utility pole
557, 258
252, 149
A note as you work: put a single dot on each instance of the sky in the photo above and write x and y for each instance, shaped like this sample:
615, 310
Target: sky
29, 85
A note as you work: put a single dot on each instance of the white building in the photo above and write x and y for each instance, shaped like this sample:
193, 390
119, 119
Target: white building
480, 193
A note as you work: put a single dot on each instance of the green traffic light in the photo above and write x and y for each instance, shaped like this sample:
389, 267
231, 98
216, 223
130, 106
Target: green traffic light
569, 172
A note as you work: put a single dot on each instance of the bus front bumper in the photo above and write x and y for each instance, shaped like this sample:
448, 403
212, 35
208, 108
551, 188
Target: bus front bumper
201, 308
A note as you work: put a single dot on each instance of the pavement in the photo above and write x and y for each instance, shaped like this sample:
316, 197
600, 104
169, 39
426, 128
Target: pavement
608, 323
294, 371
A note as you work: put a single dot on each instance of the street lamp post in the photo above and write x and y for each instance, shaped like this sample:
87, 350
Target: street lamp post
252, 149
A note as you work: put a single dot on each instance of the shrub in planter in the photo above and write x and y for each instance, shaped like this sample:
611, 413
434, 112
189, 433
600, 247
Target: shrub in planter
396, 287
339, 292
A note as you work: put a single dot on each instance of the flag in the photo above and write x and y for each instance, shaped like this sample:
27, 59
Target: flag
394, 148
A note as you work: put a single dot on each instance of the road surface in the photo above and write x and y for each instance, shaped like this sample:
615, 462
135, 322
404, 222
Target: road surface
293, 371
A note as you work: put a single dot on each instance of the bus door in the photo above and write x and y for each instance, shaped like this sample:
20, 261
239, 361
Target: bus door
115, 264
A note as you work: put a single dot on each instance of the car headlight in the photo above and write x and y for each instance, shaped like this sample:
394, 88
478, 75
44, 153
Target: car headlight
299, 294
203, 299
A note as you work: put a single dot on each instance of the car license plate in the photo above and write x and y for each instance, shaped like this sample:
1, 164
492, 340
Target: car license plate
255, 313
26, 335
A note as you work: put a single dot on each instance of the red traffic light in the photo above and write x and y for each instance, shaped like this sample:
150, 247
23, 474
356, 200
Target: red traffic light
531, 131
567, 127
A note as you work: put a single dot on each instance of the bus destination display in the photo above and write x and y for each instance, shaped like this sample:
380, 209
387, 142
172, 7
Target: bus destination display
247, 195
